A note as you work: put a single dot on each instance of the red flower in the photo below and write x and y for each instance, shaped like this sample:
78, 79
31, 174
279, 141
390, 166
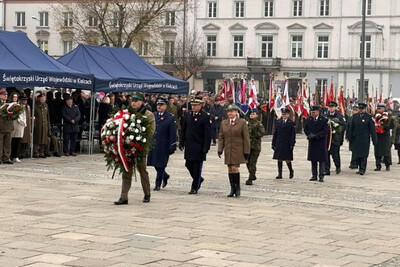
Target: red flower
132, 144
115, 147
16, 108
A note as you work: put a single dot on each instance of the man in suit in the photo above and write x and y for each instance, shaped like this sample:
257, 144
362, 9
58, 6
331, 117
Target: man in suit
71, 116
361, 131
216, 113
316, 130
337, 138
6, 129
196, 141
164, 143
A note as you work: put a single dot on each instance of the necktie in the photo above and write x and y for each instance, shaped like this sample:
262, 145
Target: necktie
232, 122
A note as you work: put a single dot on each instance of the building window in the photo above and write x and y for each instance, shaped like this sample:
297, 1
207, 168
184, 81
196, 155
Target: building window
211, 46
20, 19
170, 18
143, 48
366, 85
297, 8
368, 46
44, 19
324, 8
369, 7
212, 10
67, 47
169, 51
267, 46
323, 47
239, 9
93, 21
44, 46
238, 46
297, 46
68, 16
319, 84
268, 8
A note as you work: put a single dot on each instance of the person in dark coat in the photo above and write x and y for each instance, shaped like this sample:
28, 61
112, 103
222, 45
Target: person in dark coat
397, 138
195, 140
71, 116
353, 161
316, 130
337, 137
216, 113
164, 143
361, 131
283, 142
382, 150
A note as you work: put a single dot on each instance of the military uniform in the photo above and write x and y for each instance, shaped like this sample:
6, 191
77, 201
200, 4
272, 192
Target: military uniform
6, 129
41, 131
336, 143
216, 113
164, 145
316, 130
361, 130
196, 140
256, 132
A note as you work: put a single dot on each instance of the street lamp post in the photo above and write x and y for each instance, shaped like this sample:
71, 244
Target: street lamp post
40, 33
361, 90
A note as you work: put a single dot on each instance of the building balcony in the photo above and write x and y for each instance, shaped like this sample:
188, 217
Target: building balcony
264, 62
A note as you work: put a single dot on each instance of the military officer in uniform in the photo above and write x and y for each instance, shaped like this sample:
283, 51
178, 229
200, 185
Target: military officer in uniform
256, 132
138, 104
196, 140
382, 149
42, 125
353, 162
337, 138
283, 142
316, 130
6, 129
164, 143
216, 113
361, 131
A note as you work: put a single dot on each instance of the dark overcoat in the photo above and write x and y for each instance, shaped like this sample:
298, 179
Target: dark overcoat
385, 140
338, 138
284, 139
317, 131
42, 122
196, 135
69, 114
361, 130
216, 111
234, 141
164, 140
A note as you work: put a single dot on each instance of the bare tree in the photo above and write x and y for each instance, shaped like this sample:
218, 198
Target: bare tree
110, 22
190, 57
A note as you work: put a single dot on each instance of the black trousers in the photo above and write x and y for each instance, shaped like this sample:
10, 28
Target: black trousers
334, 152
362, 164
195, 168
70, 143
214, 134
161, 175
386, 160
353, 162
15, 147
317, 172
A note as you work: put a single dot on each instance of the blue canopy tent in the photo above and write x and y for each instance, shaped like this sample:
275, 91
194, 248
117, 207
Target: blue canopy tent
23, 64
121, 70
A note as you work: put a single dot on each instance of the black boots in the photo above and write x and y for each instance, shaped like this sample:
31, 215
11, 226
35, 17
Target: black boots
280, 165
291, 171
234, 179
378, 168
121, 201
252, 177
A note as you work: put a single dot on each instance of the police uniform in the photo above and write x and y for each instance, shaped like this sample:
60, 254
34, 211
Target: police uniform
316, 129
353, 161
361, 131
164, 144
256, 132
196, 141
336, 142
283, 141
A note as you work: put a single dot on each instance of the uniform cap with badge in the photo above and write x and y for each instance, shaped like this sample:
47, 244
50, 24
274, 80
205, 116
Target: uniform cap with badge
381, 105
314, 108
161, 101
285, 110
254, 110
232, 107
332, 104
197, 101
138, 96
362, 105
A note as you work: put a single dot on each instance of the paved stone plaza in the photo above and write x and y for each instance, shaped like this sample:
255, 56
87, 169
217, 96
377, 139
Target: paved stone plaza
60, 212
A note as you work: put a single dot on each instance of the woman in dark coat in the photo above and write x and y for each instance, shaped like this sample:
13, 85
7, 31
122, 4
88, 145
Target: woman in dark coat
397, 138
164, 142
283, 142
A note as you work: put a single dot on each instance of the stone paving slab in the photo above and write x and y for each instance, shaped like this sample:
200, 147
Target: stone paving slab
60, 212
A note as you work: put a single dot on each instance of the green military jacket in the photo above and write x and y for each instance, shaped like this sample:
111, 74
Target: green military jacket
256, 132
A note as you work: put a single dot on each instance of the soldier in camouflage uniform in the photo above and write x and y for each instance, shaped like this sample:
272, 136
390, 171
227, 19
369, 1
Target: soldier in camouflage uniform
256, 132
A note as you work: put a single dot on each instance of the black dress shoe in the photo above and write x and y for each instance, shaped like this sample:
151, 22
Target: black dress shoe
378, 168
321, 180
291, 175
121, 201
249, 182
165, 182
361, 173
327, 173
387, 168
42, 156
157, 188
56, 155
313, 179
192, 192
278, 177
9, 161
338, 170
146, 199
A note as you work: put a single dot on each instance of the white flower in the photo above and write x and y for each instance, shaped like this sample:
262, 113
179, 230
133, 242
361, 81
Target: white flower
136, 130
108, 133
125, 125
131, 137
127, 140
105, 150
123, 134
133, 125
138, 138
144, 140
126, 117
143, 129
125, 111
138, 121
114, 132
116, 123
112, 137
133, 116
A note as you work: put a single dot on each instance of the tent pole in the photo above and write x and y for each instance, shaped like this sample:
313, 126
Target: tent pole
90, 125
33, 119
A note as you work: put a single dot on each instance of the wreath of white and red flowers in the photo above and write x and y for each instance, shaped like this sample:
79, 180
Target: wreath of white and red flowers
382, 122
10, 111
125, 138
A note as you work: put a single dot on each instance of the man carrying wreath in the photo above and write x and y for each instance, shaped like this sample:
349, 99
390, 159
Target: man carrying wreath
6, 128
138, 105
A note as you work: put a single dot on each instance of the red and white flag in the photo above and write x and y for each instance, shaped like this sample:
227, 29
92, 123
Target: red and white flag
389, 103
243, 90
331, 93
253, 95
223, 95
271, 92
325, 97
299, 100
306, 104
286, 100
342, 102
